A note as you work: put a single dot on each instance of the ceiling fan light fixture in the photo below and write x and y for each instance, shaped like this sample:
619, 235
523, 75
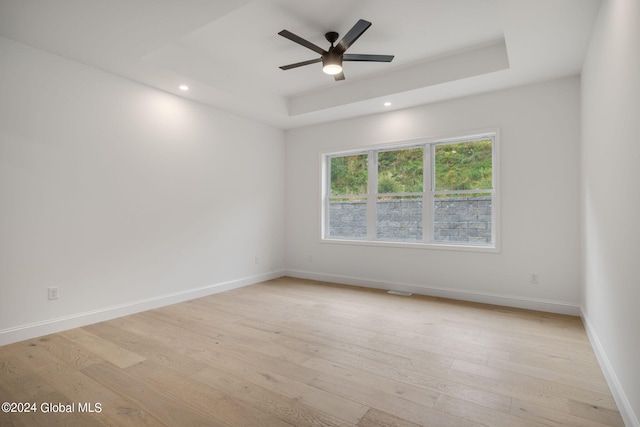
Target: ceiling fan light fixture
332, 63
332, 69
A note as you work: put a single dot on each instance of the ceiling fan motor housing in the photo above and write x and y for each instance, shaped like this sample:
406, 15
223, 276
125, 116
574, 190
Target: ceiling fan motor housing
331, 58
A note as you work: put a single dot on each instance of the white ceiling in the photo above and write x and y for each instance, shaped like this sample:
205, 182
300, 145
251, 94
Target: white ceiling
228, 51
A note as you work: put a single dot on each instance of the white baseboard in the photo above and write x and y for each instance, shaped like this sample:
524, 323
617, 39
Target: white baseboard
549, 306
37, 329
624, 406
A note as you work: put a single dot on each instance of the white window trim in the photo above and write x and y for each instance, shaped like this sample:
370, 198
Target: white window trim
428, 194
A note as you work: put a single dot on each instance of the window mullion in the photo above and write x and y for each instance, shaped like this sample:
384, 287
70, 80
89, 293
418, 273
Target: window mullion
326, 194
372, 194
427, 195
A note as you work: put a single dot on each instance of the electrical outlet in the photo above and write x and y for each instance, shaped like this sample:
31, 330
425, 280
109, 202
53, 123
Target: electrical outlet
257, 260
53, 292
310, 258
533, 278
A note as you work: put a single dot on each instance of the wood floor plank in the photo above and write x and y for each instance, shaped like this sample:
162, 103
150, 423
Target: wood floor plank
388, 403
69, 351
148, 345
22, 383
152, 401
78, 388
484, 415
372, 381
225, 353
554, 418
347, 410
30, 355
400, 373
600, 398
606, 416
375, 418
291, 411
108, 350
550, 374
238, 358
328, 344
569, 365
511, 389
238, 336
209, 400
293, 352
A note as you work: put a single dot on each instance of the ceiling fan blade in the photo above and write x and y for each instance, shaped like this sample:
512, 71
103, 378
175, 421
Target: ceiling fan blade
339, 76
368, 58
300, 64
306, 43
354, 33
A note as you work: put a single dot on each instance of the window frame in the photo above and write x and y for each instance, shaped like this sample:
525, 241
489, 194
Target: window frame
428, 194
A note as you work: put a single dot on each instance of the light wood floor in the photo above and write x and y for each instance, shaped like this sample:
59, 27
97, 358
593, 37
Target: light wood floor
291, 352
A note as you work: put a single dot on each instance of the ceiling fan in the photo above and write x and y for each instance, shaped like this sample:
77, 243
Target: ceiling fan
332, 59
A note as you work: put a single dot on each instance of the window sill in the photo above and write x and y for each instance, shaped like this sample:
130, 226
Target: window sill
415, 245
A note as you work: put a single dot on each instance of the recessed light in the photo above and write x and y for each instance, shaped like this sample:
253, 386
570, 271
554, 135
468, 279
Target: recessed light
184, 87
387, 104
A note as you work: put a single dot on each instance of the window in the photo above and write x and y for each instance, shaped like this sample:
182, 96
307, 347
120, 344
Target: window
348, 196
430, 193
399, 195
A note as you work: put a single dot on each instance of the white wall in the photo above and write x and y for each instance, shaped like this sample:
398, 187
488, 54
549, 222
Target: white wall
124, 196
540, 225
611, 198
